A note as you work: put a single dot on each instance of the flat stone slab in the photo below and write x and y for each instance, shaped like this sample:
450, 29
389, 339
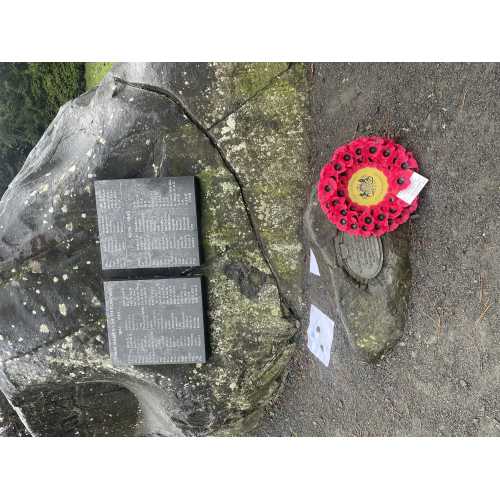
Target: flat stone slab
147, 223
365, 282
152, 322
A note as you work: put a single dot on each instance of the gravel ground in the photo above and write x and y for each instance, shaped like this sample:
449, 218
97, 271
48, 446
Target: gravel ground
443, 378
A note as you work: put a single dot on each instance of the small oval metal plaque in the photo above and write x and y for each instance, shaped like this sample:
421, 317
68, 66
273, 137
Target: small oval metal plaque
362, 258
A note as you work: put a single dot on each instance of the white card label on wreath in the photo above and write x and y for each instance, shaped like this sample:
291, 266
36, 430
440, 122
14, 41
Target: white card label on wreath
417, 183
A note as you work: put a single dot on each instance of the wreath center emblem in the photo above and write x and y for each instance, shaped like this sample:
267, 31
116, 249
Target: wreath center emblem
368, 186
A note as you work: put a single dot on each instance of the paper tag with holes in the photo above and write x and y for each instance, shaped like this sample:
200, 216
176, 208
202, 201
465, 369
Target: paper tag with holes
417, 183
320, 335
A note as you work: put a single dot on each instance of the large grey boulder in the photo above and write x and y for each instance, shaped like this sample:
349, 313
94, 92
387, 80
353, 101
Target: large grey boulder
240, 130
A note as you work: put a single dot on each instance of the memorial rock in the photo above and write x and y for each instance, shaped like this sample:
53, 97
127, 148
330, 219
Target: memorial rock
55, 369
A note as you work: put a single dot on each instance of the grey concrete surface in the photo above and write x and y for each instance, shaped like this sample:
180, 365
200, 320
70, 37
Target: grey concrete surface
443, 377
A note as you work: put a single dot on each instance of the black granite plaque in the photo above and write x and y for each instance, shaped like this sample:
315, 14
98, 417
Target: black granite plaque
147, 223
153, 322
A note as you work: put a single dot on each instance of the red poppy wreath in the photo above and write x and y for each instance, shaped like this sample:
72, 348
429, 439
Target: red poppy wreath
358, 187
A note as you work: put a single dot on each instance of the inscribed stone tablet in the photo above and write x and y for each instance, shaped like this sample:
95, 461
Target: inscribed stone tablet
154, 322
147, 223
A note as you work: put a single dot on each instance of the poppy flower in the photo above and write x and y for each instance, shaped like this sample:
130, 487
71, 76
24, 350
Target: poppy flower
353, 223
358, 187
403, 216
367, 221
328, 190
380, 229
399, 179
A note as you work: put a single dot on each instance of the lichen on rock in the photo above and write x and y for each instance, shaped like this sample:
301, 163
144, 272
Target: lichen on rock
265, 141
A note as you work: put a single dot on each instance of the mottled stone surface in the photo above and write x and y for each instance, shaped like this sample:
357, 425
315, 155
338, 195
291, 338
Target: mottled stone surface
52, 324
212, 90
264, 140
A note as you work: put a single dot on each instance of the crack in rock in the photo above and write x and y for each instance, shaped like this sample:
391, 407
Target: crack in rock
208, 134
5, 387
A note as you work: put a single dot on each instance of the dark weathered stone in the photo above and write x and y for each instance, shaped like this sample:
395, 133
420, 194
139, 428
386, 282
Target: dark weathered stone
52, 318
154, 322
10, 424
374, 310
85, 410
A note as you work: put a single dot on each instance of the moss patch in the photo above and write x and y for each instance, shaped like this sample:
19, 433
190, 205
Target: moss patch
30, 97
248, 79
95, 72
